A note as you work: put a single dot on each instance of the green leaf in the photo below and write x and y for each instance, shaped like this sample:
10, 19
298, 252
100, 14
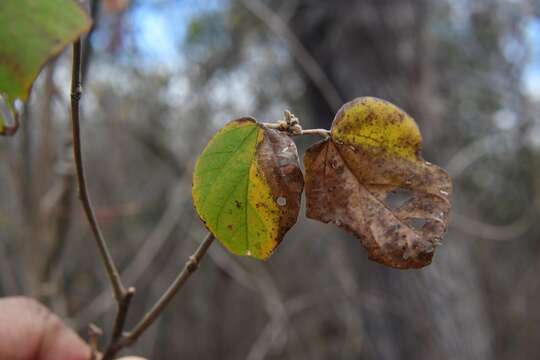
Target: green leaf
247, 186
31, 33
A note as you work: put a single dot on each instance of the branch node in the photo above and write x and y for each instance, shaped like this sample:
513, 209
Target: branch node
192, 264
76, 94
291, 125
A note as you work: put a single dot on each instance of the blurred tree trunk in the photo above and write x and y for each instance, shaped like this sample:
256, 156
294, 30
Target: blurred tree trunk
382, 48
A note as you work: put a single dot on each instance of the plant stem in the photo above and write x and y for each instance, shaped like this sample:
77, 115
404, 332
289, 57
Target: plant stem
189, 268
318, 132
282, 126
122, 313
123, 307
123, 297
76, 92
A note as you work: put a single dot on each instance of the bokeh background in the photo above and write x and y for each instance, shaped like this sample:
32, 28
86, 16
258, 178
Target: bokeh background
163, 75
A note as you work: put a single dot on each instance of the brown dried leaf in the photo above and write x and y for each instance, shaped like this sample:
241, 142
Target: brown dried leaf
370, 179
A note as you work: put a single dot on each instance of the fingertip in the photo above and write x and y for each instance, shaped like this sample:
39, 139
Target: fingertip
38, 331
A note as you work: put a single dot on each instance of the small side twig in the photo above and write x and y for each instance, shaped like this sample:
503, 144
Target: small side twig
93, 334
189, 268
76, 92
291, 125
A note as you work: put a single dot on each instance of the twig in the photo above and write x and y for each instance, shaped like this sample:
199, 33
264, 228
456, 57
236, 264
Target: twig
189, 268
317, 132
93, 334
76, 93
123, 307
291, 125
122, 313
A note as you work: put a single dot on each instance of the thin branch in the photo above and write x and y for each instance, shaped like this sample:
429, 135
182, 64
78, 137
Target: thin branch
76, 93
123, 307
291, 125
93, 335
317, 132
189, 268
122, 313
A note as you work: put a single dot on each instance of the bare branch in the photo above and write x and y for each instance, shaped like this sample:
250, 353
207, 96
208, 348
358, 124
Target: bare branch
93, 334
122, 313
123, 307
76, 92
189, 268
291, 125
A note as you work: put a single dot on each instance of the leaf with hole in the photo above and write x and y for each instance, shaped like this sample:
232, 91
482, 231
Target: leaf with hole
31, 33
247, 186
370, 179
